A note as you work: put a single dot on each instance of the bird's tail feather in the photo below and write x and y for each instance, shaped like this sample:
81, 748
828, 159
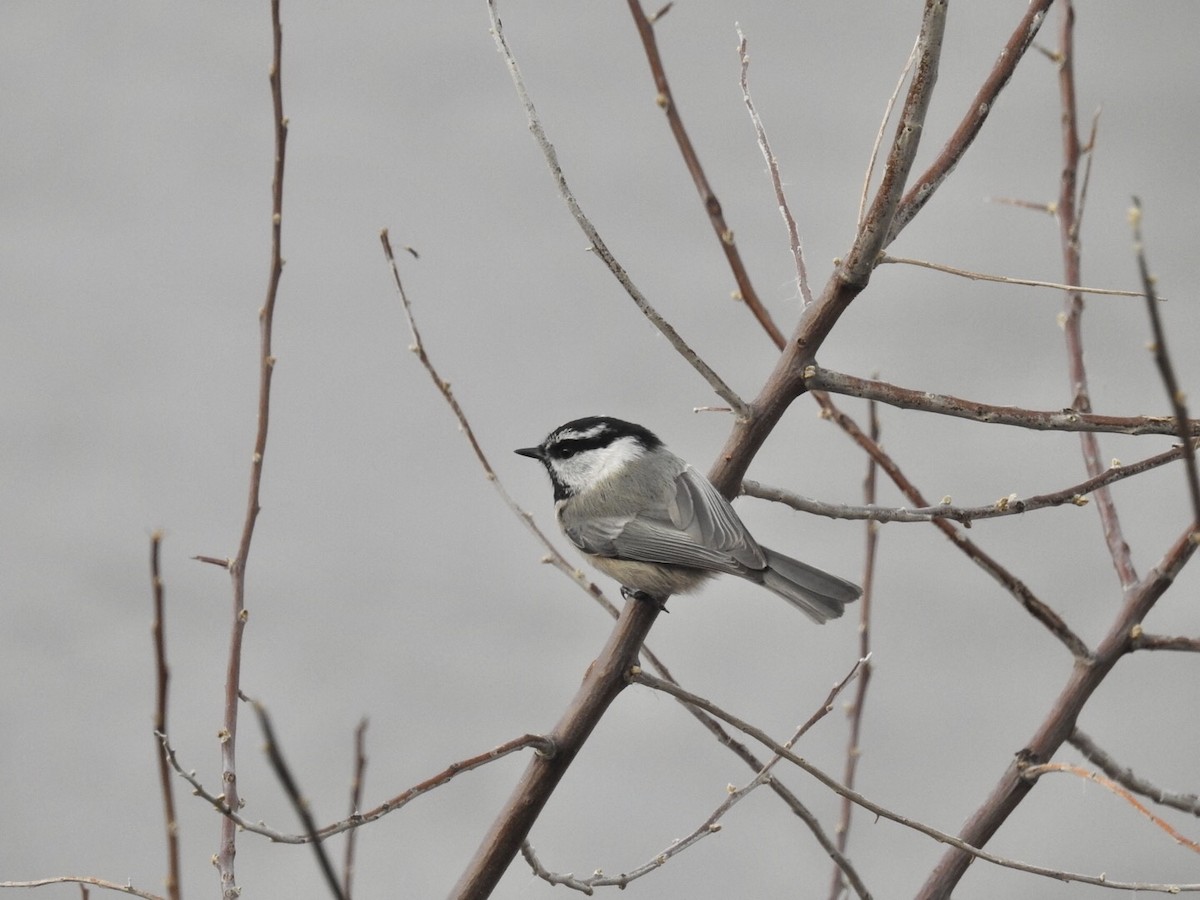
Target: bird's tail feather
817, 594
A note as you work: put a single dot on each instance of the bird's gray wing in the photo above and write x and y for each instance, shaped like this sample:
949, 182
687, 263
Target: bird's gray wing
700, 510
695, 526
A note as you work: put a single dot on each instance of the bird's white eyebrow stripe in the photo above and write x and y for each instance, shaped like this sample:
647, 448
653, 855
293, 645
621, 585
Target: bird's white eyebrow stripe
574, 435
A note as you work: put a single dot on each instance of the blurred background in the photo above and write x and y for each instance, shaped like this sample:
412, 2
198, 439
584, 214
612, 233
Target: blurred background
387, 579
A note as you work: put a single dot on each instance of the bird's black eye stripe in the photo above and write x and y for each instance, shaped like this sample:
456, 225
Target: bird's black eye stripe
565, 448
593, 433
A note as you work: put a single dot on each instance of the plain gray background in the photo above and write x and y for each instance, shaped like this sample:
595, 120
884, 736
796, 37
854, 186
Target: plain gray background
387, 579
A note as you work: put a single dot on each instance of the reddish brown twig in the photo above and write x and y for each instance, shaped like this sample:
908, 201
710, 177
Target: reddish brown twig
162, 681
817, 378
355, 820
227, 850
1092, 752
356, 789
855, 712
712, 205
1036, 772
1068, 219
926, 184
1162, 358
1012, 505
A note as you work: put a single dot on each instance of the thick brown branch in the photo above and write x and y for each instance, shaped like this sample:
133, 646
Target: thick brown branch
1059, 723
605, 679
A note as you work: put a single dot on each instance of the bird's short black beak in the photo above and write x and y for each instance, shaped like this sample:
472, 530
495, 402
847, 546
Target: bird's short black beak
532, 452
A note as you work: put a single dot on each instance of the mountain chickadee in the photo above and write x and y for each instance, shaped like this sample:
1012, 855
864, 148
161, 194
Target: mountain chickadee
643, 516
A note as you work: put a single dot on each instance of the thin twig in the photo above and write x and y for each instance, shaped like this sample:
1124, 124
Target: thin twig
537, 742
237, 567
858, 705
883, 121
1011, 505
666, 101
598, 246
1004, 279
880, 223
885, 813
925, 185
1073, 419
1069, 237
1162, 359
162, 682
764, 145
553, 556
83, 880
1052, 621
299, 802
1093, 753
356, 789
1143, 641
1036, 772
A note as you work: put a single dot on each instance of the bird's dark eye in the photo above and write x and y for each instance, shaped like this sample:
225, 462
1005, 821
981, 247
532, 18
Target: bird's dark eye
563, 451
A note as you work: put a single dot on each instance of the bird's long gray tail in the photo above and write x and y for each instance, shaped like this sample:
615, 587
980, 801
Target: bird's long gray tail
817, 594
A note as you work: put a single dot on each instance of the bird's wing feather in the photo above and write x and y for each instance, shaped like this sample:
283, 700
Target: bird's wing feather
696, 527
707, 517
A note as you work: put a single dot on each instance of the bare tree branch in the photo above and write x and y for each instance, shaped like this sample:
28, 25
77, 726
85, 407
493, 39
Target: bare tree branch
1012, 505
83, 880
1068, 220
857, 707
1004, 279
665, 100
883, 812
1093, 753
817, 378
536, 741
604, 680
1143, 641
299, 802
1059, 722
227, 849
764, 145
356, 789
711, 825
162, 681
1162, 359
1035, 772
926, 184
597, 244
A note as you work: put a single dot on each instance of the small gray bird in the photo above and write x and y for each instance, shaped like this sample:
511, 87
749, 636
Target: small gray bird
643, 516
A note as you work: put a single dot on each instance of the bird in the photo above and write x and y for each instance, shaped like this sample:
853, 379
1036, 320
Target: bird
646, 518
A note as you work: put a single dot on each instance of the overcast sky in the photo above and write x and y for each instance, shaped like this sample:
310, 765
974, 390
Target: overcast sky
387, 578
